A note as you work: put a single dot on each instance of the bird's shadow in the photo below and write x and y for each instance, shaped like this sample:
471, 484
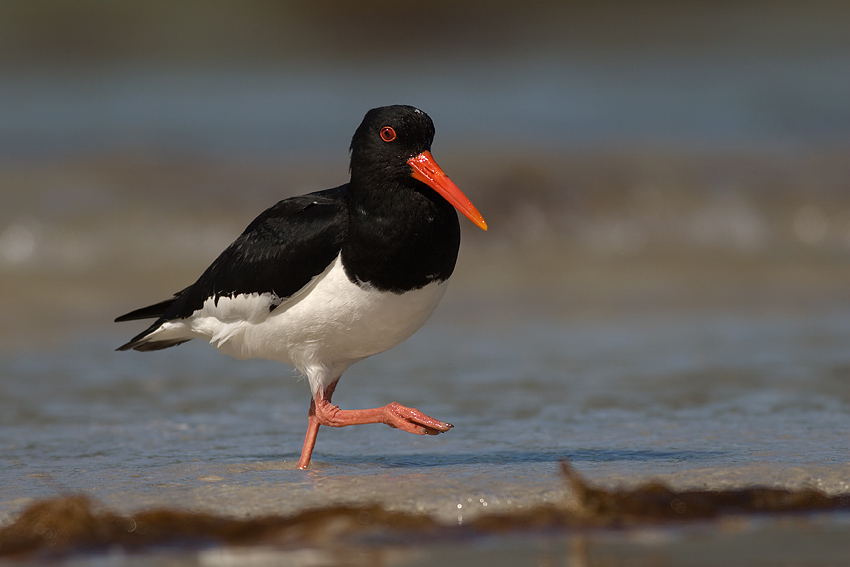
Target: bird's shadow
417, 460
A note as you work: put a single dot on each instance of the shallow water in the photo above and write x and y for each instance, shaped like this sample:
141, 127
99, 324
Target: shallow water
703, 367
644, 313
760, 395
705, 364
700, 398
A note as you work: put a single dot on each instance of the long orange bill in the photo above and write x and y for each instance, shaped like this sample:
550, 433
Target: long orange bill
426, 170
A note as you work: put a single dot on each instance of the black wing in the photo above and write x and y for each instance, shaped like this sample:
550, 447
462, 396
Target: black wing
284, 248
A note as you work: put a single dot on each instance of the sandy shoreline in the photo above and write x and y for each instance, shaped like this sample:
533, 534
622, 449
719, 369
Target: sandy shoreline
399, 522
276, 487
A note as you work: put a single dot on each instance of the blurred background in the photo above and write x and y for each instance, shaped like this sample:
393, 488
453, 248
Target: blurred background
665, 284
621, 151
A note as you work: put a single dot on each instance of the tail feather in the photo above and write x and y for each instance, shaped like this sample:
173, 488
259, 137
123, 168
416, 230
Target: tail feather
144, 342
147, 346
150, 312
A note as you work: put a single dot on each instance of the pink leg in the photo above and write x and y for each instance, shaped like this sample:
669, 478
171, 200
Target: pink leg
310, 439
323, 412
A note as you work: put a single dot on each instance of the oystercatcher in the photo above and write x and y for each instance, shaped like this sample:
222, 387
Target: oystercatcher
323, 280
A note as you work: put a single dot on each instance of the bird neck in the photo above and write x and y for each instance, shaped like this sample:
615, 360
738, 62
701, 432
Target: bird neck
401, 236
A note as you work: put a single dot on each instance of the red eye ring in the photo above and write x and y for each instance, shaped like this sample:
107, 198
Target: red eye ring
388, 134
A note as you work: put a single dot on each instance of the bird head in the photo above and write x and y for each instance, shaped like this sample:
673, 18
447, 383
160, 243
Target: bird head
393, 145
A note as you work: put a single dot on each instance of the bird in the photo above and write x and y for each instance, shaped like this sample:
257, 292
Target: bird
323, 280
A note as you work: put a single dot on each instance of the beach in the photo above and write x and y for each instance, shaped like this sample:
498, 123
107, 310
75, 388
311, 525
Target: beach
663, 294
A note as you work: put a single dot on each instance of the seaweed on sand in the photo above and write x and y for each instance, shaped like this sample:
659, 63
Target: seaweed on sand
75, 523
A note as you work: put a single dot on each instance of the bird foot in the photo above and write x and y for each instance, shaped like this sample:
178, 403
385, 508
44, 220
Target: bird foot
397, 416
393, 414
413, 421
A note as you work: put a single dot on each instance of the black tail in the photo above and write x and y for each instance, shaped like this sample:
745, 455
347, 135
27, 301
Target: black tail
140, 344
150, 312
157, 311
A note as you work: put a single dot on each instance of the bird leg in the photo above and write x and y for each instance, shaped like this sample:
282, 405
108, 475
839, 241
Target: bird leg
310, 439
323, 412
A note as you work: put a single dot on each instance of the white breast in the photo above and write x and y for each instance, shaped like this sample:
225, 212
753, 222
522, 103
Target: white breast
321, 330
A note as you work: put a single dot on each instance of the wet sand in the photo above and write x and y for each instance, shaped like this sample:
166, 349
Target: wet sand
663, 293
652, 518
456, 489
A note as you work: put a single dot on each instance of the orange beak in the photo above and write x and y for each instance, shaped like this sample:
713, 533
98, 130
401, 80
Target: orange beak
426, 170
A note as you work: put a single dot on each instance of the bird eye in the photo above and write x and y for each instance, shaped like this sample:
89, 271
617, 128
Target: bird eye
387, 134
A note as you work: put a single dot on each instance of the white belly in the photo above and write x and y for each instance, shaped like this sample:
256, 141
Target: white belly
321, 330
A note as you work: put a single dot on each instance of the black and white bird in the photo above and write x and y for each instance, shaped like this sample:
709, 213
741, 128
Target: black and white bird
326, 279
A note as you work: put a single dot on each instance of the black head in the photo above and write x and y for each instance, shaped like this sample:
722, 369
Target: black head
391, 151
387, 138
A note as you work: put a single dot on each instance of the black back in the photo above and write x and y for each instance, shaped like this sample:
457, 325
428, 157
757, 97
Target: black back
279, 253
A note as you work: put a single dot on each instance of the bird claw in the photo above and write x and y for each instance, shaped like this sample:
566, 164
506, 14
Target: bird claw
414, 421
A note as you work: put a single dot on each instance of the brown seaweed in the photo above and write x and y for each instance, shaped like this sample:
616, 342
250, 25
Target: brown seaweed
77, 523
656, 502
